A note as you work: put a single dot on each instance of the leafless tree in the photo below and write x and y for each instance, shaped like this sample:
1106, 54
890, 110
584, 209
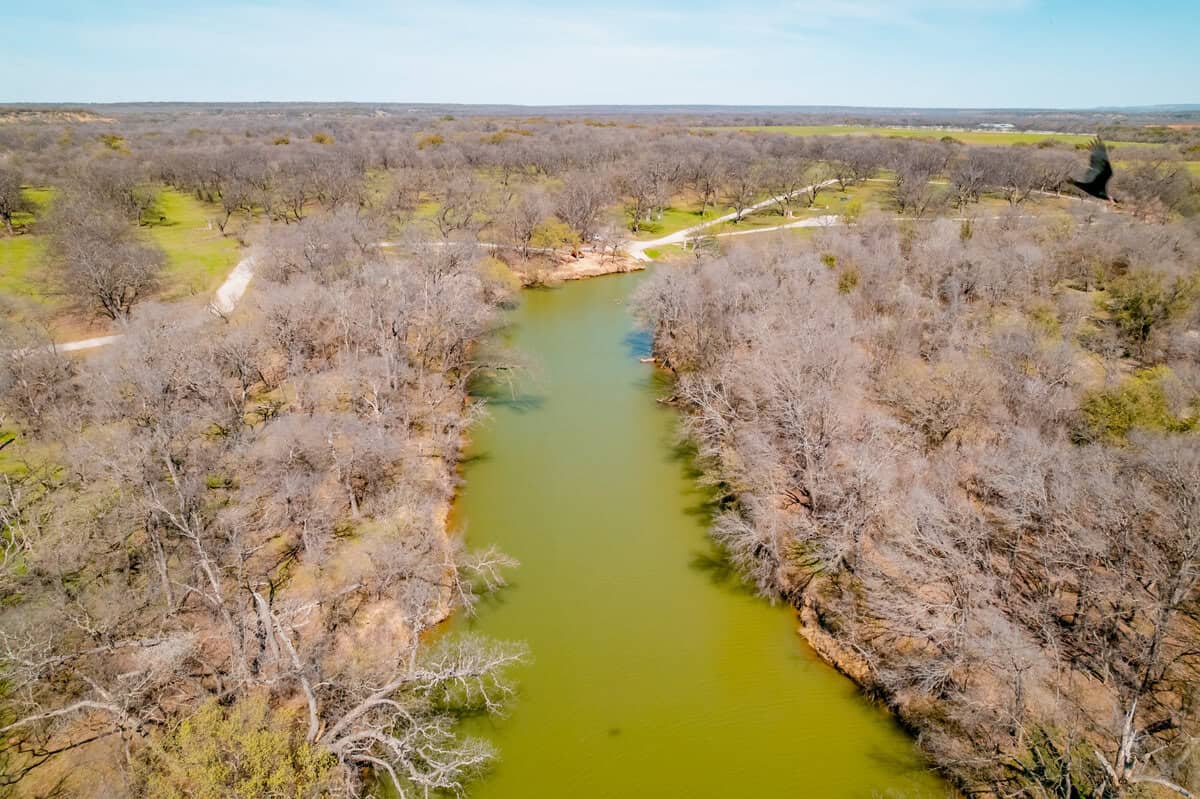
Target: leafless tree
582, 200
12, 200
462, 204
97, 260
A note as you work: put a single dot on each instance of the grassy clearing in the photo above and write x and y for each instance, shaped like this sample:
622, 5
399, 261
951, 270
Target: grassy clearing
966, 136
21, 259
684, 214
198, 258
38, 198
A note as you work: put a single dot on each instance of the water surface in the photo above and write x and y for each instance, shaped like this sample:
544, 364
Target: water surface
653, 672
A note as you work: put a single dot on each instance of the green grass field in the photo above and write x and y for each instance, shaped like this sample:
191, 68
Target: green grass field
198, 258
682, 215
966, 136
21, 258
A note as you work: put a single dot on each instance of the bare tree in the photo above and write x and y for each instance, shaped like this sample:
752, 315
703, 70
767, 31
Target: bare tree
582, 200
462, 204
12, 200
98, 261
523, 217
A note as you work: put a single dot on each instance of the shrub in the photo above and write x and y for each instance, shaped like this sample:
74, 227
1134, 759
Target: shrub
554, 233
1139, 402
1044, 318
1142, 301
322, 138
113, 141
847, 280
246, 750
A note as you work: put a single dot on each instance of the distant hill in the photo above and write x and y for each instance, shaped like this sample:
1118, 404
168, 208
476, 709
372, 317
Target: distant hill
49, 114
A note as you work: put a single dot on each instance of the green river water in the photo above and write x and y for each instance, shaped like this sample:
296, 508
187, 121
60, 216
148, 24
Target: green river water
652, 672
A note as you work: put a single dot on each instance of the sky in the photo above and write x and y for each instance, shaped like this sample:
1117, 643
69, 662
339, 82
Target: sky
913, 53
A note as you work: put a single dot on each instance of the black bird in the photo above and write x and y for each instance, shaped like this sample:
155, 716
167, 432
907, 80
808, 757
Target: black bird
1100, 170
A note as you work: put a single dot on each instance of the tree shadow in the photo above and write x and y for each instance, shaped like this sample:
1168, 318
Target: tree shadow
714, 563
684, 453
474, 458
707, 499
502, 393
520, 403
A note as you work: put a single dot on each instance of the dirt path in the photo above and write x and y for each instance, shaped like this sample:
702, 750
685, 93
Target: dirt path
231, 291
224, 300
637, 249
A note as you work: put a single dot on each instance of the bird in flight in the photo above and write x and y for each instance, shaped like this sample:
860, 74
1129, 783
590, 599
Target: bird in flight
1100, 170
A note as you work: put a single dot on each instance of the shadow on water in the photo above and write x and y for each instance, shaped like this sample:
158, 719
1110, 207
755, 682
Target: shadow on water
470, 459
714, 563
683, 452
501, 392
898, 763
518, 403
490, 601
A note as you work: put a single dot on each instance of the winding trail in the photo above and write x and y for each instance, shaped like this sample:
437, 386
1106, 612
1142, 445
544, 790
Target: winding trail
637, 249
224, 300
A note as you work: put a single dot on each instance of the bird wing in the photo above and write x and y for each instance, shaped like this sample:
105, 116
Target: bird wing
1099, 163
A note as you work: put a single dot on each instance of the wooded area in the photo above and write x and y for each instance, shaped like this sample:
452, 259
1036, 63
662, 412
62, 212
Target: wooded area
956, 429
967, 452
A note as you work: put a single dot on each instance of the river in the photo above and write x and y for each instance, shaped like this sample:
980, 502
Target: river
653, 673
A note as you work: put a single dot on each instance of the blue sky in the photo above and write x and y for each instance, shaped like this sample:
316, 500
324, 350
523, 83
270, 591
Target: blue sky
1043, 53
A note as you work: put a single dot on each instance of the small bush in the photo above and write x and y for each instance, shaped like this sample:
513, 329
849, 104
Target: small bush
553, 234
1143, 301
847, 280
246, 750
1045, 319
113, 142
281, 140
322, 138
1139, 402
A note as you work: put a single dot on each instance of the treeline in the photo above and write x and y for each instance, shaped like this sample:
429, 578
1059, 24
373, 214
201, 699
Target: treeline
277, 167
968, 453
537, 188
224, 538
